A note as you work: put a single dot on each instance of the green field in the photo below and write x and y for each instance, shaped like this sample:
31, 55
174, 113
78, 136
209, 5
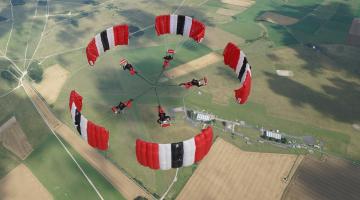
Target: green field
113, 85
16, 104
321, 99
59, 174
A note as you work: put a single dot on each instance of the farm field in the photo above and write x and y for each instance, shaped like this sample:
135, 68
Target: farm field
329, 178
14, 139
228, 173
118, 180
305, 81
68, 179
20, 183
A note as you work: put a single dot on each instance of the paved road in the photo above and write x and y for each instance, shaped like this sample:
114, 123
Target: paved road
126, 186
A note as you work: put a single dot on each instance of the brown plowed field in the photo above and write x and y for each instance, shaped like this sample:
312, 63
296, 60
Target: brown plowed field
329, 179
14, 139
354, 33
230, 173
277, 18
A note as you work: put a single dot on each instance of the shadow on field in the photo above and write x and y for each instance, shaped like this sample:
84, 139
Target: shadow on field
321, 26
195, 13
326, 27
5, 16
138, 17
127, 86
338, 103
71, 36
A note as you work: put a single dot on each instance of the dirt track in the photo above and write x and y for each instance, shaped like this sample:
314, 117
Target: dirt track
241, 3
21, 184
194, 65
229, 173
120, 181
278, 19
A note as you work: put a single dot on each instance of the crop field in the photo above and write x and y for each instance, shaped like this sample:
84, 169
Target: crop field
13, 138
277, 19
229, 173
61, 177
319, 99
20, 183
354, 33
330, 178
51, 85
193, 65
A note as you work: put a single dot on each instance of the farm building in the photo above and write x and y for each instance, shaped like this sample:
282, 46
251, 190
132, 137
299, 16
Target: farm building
271, 135
204, 117
200, 116
309, 140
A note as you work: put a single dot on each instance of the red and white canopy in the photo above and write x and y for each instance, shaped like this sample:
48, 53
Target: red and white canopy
180, 25
174, 155
109, 38
95, 135
236, 59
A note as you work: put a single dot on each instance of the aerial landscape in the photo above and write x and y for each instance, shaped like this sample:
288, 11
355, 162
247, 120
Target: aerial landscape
180, 99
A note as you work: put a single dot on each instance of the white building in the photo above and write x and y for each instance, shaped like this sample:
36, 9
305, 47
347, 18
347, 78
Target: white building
271, 134
204, 117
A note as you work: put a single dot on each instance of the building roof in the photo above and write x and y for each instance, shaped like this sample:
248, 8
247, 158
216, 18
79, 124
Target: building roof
309, 140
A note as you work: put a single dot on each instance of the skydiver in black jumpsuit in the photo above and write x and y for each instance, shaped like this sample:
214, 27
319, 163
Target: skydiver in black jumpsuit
129, 67
163, 118
198, 83
169, 57
121, 106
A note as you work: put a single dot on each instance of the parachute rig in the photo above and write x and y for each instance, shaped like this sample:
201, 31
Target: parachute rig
154, 155
164, 25
235, 58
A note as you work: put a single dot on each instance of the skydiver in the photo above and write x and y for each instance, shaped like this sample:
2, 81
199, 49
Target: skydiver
168, 57
163, 120
122, 106
198, 83
127, 66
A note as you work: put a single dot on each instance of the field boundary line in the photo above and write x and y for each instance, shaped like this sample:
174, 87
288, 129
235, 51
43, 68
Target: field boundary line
121, 182
62, 144
12, 26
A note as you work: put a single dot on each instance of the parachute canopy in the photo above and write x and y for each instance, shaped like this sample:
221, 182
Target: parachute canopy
174, 155
235, 58
95, 135
180, 25
109, 38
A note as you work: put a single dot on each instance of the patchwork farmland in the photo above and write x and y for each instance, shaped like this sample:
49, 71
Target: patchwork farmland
305, 81
229, 173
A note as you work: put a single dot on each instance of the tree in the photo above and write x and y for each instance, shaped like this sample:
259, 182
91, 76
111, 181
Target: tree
35, 72
7, 76
140, 198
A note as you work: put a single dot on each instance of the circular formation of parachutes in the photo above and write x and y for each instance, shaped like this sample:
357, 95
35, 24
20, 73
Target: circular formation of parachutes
149, 154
